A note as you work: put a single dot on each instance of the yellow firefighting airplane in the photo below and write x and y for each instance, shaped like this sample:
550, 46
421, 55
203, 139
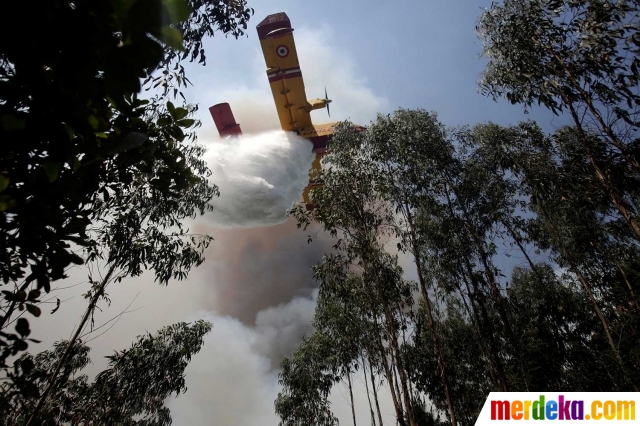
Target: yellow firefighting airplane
285, 78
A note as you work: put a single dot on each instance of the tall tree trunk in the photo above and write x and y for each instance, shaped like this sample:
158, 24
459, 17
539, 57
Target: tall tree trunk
65, 355
366, 386
396, 382
585, 285
395, 353
475, 321
477, 297
353, 408
606, 253
614, 196
387, 371
375, 391
397, 402
518, 240
534, 268
588, 100
444, 378
484, 258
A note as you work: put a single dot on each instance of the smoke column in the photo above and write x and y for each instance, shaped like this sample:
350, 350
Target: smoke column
259, 177
251, 269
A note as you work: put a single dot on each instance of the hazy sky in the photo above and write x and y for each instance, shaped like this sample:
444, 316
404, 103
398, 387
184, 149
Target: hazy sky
407, 53
256, 287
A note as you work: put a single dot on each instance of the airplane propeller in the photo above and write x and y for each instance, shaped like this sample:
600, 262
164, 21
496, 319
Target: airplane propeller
327, 101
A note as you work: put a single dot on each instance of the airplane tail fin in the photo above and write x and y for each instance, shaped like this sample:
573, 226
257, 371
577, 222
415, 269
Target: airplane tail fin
223, 117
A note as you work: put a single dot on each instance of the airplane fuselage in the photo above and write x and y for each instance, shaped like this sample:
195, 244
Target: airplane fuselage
287, 86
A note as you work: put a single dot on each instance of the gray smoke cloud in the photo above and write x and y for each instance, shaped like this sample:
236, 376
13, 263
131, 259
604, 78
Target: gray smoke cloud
232, 383
251, 269
282, 327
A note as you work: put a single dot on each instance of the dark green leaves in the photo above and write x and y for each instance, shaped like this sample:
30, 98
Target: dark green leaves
33, 310
572, 57
79, 149
11, 122
177, 10
22, 327
52, 170
4, 182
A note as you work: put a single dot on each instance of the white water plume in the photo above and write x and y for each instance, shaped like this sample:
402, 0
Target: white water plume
259, 176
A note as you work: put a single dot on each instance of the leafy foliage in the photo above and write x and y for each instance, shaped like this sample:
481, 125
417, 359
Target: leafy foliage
576, 56
456, 200
131, 391
91, 173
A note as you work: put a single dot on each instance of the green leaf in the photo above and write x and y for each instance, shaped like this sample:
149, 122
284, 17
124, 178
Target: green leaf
75, 226
4, 182
78, 240
33, 310
180, 113
164, 121
177, 133
12, 122
52, 170
70, 131
130, 141
97, 123
27, 365
76, 259
186, 123
21, 345
44, 282
93, 121
172, 37
33, 295
22, 327
177, 10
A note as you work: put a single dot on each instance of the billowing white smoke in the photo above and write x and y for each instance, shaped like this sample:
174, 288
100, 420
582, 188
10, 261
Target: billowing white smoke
232, 380
259, 176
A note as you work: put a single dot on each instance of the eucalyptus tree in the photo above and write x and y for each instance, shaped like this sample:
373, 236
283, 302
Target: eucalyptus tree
90, 169
70, 129
563, 348
572, 220
349, 207
131, 390
579, 225
578, 56
407, 149
307, 378
142, 228
467, 369
342, 315
331, 353
449, 205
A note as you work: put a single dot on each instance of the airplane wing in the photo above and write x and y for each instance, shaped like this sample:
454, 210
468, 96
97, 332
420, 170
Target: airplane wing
285, 78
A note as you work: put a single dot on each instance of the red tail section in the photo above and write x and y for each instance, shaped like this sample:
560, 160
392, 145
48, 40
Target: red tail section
223, 117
